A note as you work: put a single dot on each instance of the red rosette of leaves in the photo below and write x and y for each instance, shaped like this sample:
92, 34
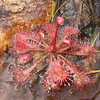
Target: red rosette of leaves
53, 44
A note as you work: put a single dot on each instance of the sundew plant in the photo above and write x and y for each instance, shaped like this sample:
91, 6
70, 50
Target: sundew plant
52, 43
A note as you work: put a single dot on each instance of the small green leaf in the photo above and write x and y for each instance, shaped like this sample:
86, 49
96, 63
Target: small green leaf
93, 71
95, 40
53, 14
97, 51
